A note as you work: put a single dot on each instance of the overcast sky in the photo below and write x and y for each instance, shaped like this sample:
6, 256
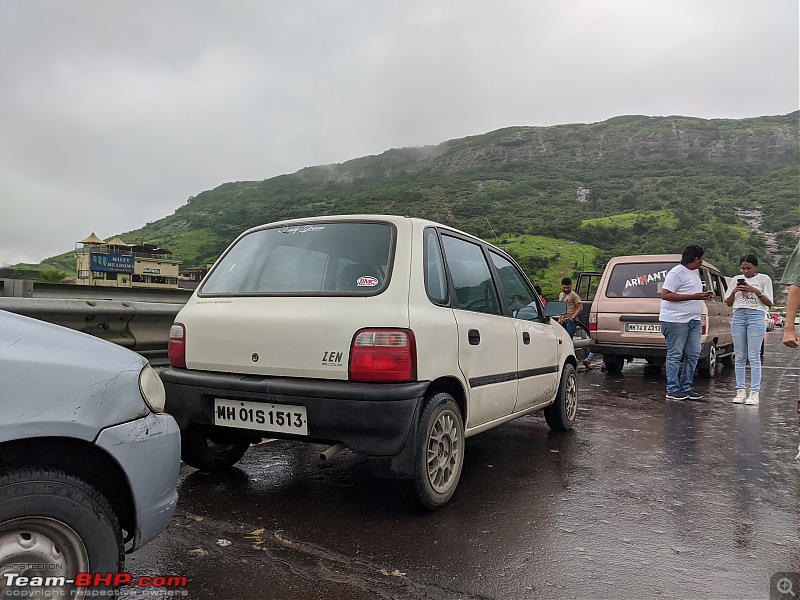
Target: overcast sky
113, 113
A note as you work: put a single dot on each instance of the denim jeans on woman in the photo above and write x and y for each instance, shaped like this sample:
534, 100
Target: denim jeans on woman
683, 346
748, 328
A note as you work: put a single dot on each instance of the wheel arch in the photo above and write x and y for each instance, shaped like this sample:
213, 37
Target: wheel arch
455, 388
570, 359
707, 346
83, 460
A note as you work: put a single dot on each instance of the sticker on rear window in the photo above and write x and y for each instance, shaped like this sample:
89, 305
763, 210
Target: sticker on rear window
646, 279
301, 228
367, 281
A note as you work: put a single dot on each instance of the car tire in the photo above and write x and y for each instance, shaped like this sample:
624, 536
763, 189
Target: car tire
708, 366
203, 451
439, 454
614, 363
561, 414
60, 523
729, 360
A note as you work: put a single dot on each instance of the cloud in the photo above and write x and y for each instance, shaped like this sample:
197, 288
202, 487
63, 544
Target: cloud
115, 113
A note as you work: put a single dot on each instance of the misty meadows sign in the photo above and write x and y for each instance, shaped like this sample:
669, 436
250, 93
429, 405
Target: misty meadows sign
112, 262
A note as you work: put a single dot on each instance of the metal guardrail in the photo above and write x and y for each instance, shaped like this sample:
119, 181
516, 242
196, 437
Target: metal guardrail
140, 326
25, 288
136, 318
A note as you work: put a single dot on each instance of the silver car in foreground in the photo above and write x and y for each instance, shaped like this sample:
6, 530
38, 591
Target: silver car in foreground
88, 460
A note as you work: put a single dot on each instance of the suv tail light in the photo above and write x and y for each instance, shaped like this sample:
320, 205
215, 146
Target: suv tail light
176, 350
592, 321
704, 328
383, 355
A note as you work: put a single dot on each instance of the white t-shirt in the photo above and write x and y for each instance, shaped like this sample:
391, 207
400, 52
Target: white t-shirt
748, 299
681, 281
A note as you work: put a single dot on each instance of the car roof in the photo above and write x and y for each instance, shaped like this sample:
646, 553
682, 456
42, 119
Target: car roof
396, 219
645, 258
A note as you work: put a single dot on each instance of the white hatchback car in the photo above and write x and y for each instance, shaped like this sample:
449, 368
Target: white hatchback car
394, 337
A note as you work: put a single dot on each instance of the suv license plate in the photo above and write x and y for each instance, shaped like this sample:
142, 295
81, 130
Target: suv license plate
260, 416
643, 327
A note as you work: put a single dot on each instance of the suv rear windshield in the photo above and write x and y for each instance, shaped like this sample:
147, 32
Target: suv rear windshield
638, 280
317, 258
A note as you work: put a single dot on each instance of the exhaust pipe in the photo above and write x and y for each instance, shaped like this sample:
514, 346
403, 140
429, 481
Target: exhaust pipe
331, 452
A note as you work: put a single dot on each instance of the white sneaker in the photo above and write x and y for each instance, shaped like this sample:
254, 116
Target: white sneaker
752, 398
740, 397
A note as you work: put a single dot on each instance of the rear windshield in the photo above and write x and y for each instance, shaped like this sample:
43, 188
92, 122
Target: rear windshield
319, 258
638, 280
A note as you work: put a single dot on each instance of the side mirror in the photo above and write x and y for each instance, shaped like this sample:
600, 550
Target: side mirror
555, 308
528, 313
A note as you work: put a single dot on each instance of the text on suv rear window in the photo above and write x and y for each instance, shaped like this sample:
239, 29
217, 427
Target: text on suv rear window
638, 280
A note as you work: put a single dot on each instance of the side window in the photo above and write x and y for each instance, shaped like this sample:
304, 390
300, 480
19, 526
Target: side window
718, 286
519, 298
471, 277
587, 286
723, 280
705, 277
435, 281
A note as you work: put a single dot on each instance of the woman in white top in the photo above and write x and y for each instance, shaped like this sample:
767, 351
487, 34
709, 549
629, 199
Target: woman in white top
750, 297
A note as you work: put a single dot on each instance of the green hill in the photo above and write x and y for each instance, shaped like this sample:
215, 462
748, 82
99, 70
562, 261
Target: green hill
628, 185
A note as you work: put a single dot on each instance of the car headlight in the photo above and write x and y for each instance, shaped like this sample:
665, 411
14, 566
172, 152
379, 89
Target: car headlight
152, 389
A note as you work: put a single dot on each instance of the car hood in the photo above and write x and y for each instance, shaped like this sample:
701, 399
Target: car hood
59, 382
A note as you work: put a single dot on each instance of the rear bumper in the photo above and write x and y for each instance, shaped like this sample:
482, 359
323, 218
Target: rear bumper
640, 351
369, 418
630, 351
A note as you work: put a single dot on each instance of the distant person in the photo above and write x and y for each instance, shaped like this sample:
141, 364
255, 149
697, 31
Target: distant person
682, 304
574, 306
791, 276
538, 289
750, 299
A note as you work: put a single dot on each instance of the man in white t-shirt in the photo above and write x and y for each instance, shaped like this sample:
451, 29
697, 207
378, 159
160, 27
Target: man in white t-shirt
682, 299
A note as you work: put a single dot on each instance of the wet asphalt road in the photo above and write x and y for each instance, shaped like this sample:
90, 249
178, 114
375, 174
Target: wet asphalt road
645, 498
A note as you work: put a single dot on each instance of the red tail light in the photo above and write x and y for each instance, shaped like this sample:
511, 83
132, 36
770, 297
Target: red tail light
177, 345
383, 355
592, 321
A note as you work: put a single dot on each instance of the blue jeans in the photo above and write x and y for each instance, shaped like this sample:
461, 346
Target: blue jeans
570, 326
748, 329
683, 346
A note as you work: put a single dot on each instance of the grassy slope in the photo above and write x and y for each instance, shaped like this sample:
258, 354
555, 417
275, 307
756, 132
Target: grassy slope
645, 193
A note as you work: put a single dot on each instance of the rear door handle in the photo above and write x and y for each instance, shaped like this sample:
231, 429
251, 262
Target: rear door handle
474, 337
526, 337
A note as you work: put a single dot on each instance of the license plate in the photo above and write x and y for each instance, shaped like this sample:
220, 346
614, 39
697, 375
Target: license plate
643, 327
260, 416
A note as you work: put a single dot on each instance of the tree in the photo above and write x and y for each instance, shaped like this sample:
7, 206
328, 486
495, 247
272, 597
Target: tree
51, 276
